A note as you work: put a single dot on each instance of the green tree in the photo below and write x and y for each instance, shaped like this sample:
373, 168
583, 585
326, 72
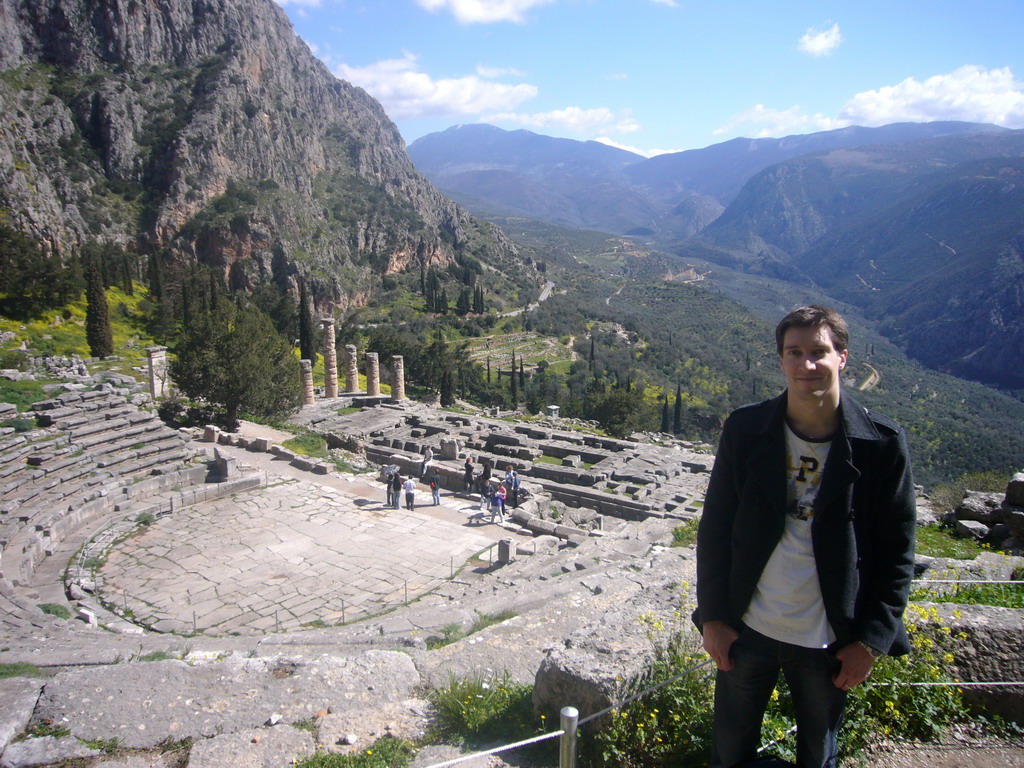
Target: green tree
677, 413
31, 280
666, 422
307, 334
235, 359
98, 331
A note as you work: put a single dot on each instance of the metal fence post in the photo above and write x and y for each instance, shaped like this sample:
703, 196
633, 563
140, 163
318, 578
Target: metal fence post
567, 743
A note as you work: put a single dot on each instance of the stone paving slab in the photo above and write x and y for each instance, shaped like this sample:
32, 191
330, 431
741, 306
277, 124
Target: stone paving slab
146, 703
19, 696
272, 747
297, 553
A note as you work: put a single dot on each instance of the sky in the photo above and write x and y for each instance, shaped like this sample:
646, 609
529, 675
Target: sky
656, 76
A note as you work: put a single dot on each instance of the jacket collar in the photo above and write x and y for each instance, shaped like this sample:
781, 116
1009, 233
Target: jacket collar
853, 419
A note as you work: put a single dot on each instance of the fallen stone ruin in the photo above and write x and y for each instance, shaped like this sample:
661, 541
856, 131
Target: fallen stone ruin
586, 574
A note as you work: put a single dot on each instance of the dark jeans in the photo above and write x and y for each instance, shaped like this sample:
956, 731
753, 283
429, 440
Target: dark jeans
742, 694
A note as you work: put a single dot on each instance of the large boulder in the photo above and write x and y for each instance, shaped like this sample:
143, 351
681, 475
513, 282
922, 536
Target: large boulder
992, 651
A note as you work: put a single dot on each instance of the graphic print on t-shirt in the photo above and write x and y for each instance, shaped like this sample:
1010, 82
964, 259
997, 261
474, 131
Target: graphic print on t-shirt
804, 462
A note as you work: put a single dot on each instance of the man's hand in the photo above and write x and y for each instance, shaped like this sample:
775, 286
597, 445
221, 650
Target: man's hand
718, 639
856, 666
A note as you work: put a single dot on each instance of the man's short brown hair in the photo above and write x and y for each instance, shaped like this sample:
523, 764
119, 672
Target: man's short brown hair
812, 317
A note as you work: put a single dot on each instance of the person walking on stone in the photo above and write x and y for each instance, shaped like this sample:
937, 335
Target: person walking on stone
396, 489
512, 485
497, 502
409, 486
435, 486
805, 549
467, 476
387, 489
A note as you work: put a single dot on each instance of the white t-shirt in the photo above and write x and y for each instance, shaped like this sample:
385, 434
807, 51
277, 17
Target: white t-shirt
787, 604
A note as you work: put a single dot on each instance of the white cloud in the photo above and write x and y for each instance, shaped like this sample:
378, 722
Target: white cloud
762, 122
969, 93
483, 11
493, 72
572, 119
617, 76
406, 92
306, 3
635, 150
669, 3
820, 42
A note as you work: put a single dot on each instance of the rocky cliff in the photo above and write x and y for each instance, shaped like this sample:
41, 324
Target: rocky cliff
206, 128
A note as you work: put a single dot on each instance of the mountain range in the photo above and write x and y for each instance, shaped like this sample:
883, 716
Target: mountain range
919, 225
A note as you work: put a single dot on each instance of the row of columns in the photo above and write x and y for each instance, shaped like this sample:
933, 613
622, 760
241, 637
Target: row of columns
351, 370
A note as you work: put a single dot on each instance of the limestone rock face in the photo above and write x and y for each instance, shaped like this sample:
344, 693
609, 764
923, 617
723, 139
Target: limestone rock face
210, 130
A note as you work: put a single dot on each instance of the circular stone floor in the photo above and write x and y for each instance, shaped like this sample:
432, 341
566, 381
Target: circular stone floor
295, 554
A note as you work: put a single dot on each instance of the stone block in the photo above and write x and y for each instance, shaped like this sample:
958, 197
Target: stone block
972, 529
260, 444
1015, 490
572, 461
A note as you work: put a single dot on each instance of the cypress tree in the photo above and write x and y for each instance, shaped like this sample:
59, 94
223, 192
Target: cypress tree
677, 416
98, 332
590, 359
463, 303
307, 336
522, 375
513, 386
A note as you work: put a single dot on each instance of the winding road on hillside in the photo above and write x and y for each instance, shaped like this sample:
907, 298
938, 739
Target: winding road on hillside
545, 294
872, 380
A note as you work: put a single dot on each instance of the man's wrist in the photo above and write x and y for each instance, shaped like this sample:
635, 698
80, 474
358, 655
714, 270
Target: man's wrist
874, 652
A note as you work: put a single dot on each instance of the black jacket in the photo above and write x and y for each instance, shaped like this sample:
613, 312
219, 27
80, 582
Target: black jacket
862, 531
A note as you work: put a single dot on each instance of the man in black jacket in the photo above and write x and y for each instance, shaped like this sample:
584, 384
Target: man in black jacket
805, 550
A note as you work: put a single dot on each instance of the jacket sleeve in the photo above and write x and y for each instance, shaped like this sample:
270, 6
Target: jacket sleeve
714, 536
891, 532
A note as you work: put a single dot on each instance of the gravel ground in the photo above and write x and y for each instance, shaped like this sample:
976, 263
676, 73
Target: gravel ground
952, 755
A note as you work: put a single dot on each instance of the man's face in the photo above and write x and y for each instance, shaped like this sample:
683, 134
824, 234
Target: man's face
811, 362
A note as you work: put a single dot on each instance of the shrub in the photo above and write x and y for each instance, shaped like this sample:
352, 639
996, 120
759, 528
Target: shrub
482, 708
685, 535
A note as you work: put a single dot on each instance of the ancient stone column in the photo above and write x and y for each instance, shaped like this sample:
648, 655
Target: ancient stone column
372, 374
157, 371
397, 378
352, 369
330, 358
308, 398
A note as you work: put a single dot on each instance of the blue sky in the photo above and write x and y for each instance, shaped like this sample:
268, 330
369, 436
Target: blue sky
666, 75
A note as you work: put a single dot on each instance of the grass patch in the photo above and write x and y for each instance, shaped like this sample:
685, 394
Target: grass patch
452, 633
937, 541
385, 752
103, 745
19, 669
42, 729
349, 409
966, 593
308, 444
685, 535
22, 393
55, 609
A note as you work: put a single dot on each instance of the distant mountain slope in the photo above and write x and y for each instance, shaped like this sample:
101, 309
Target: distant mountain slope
721, 170
588, 184
925, 237
568, 182
207, 130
